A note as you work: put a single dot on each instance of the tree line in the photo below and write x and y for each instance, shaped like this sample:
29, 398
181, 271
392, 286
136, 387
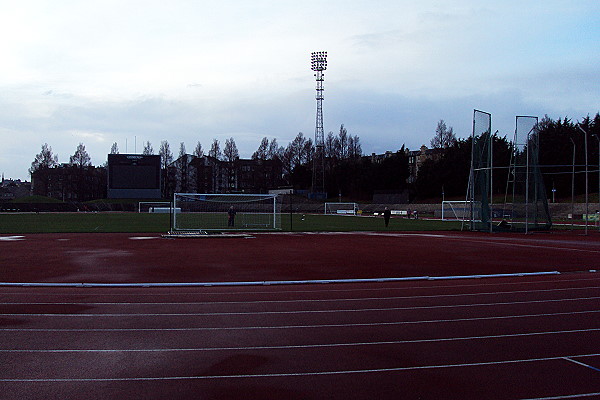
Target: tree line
350, 174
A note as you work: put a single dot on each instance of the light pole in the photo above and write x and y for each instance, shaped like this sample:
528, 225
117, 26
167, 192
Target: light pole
318, 63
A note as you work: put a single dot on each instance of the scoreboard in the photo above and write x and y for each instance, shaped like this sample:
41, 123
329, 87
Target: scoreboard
133, 176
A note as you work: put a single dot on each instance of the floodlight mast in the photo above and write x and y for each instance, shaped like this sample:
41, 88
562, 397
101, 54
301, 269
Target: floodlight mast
318, 63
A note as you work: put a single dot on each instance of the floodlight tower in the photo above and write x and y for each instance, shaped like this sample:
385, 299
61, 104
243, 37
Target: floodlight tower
318, 63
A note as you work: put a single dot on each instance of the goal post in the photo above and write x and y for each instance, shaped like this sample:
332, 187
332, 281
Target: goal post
153, 206
460, 210
226, 212
341, 208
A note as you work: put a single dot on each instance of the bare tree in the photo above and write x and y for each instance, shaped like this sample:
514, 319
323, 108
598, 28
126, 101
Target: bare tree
166, 157
331, 144
215, 150
182, 149
261, 152
308, 151
45, 159
343, 143
230, 150
199, 151
148, 150
39, 167
81, 158
274, 150
182, 168
444, 136
354, 147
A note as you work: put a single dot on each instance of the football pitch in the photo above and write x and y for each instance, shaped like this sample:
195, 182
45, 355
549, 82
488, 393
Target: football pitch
160, 223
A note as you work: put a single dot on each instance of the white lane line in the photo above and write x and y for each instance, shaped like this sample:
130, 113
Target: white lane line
314, 326
295, 374
353, 299
571, 396
306, 346
582, 364
342, 310
86, 291
11, 238
268, 283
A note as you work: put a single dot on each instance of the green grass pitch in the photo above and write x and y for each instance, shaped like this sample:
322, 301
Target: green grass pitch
13, 223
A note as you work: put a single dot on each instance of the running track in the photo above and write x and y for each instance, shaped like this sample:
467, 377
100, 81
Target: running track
533, 337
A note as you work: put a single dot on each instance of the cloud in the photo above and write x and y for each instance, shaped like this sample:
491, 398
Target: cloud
114, 71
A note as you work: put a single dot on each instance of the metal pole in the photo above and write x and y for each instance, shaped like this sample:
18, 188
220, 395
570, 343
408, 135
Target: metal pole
587, 207
573, 188
491, 158
275, 212
292, 211
472, 175
527, 184
598, 211
443, 198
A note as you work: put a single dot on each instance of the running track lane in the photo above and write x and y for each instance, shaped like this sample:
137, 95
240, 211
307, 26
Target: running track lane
503, 338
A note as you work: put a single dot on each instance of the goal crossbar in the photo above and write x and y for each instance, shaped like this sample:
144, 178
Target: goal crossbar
341, 208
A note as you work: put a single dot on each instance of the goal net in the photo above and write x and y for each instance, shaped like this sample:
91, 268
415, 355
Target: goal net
341, 208
225, 212
461, 211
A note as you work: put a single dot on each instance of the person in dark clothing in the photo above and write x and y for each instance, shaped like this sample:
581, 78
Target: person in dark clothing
231, 216
386, 216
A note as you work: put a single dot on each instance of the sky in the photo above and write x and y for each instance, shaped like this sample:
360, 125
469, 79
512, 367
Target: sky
100, 72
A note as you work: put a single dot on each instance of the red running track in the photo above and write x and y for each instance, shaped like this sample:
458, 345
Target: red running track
125, 258
503, 338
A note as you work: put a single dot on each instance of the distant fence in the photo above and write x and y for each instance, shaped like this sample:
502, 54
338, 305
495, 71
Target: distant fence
66, 207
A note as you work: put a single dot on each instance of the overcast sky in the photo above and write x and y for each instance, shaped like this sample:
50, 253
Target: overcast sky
100, 72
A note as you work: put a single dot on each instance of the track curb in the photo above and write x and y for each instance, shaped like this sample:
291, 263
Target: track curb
270, 283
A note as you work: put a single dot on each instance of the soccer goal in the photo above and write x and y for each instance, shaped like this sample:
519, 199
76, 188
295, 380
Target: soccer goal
341, 208
460, 210
154, 206
226, 212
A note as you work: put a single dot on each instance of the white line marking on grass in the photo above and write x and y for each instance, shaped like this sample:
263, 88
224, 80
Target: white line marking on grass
295, 374
307, 346
241, 328
351, 310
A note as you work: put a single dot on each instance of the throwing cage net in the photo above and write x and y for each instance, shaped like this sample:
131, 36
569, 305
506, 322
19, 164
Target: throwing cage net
525, 205
480, 178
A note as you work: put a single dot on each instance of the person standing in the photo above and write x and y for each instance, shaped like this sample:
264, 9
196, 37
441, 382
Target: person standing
386, 216
231, 217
